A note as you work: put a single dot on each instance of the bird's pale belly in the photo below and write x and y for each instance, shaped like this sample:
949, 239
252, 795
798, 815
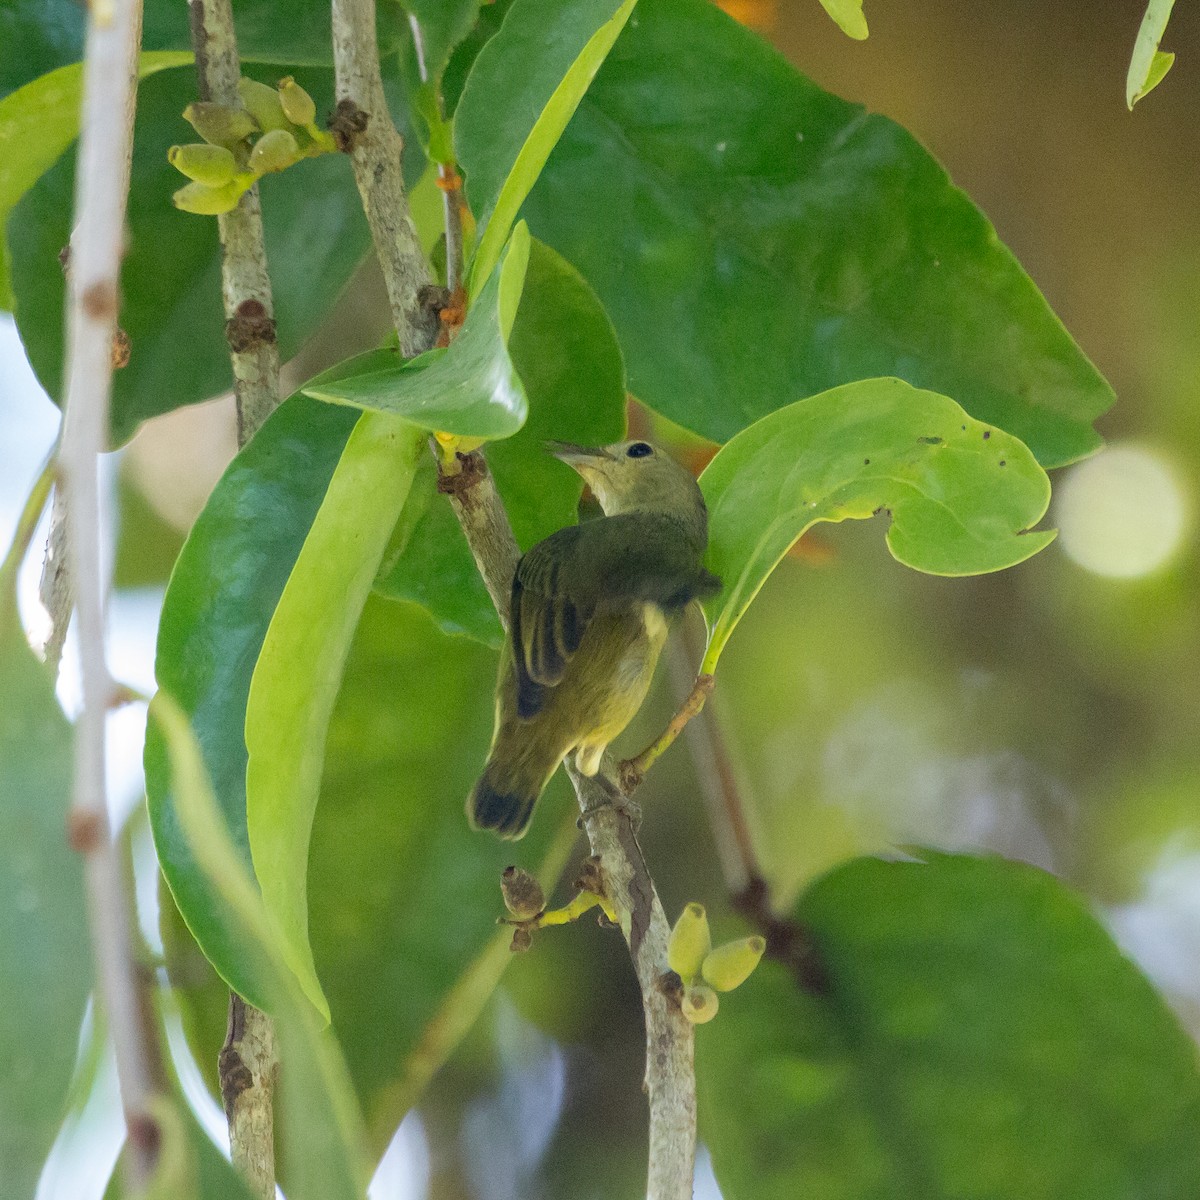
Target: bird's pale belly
630, 681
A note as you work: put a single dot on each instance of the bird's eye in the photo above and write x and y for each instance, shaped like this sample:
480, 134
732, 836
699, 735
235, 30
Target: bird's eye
639, 450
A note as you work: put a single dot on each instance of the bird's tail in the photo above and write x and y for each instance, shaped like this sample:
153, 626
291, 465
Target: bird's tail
504, 798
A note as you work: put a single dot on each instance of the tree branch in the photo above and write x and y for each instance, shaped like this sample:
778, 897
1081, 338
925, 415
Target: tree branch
245, 284
375, 150
101, 190
248, 1063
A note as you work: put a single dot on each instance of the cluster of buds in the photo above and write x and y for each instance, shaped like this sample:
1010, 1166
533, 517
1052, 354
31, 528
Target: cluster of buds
703, 970
526, 902
273, 128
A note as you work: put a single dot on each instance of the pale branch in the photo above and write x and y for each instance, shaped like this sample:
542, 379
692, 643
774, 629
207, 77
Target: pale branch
101, 190
449, 181
248, 1063
374, 145
363, 128
248, 1067
245, 284
54, 590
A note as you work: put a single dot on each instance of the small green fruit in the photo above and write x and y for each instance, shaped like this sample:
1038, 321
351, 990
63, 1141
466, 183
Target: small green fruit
208, 201
690, 942
218, 124
731, 964
523, 895
213, 165
274, 151
297, 103
262, 102
699, 1004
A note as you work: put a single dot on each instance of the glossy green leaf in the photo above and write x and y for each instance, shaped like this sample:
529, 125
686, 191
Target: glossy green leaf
224, 588
565, 351
171, 290
848, 15
299, 668
1149, 64
443, 24
323, 1138
38, 36
401, 891
979, 1035
757, 240
470, 388
37, 123
961, 496
45, 954
523, 89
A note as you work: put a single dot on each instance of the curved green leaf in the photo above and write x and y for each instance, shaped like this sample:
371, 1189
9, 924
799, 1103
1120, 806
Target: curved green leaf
37, 123
757, 240
45, 955
565, 351
224, 588
1149, 65
323, 1137
848, 16
299, 668
961, 496
979, 1034
523, 89
171, 277
469, 388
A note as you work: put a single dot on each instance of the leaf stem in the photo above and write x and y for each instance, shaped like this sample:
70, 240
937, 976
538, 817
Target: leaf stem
248, 1062
633, 770
449, 180
101, 191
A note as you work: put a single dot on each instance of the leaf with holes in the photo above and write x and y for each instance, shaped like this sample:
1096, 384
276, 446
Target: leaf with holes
960, 496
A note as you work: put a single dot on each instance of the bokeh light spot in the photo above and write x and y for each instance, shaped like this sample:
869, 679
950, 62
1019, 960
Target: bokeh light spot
1123, 513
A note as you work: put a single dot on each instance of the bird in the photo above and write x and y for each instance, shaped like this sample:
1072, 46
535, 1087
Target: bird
588, 616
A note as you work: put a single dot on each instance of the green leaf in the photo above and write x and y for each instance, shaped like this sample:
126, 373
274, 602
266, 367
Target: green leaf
979, 1035
408, 737
470, 388
171, 278
961, 495
323, 1138
848, 16
523, 89
565, 351
38, 36
223, 591
37, 123
45, 954
1149, 64
299, 668
444, 24
757, 240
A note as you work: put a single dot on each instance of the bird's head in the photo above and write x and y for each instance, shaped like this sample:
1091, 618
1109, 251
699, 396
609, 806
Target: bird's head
634, 476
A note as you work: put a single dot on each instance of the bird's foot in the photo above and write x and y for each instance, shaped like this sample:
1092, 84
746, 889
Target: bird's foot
614, 797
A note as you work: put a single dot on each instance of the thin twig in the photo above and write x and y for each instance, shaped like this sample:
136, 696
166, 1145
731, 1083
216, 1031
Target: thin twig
248, 1063
632, 770
449, 180
374, 146
245, 284
101, 190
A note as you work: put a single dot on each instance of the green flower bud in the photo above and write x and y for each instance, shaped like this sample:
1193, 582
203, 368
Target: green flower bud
699, 1004
690, 942
214, 165
731, 964
274, 151
218, 124
523, 895
297, 103
262, 102
208, 201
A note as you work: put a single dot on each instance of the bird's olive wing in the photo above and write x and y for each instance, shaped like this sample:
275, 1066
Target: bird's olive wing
630, 559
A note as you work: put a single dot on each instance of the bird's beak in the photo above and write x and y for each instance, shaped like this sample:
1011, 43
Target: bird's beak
579, 457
